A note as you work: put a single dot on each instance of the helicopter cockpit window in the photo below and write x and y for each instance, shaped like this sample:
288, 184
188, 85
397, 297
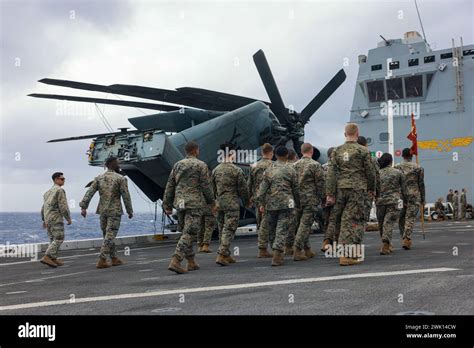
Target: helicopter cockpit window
394, 89
414, 86
376, 91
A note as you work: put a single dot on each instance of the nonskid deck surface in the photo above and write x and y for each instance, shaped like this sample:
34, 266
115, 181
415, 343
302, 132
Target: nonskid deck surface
434, 277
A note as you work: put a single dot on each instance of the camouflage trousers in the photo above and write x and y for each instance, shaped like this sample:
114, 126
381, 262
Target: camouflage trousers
109, 226
387, 216
350, 210
305, 218
228, 221
262, 224
463, 211
294, 222
189, 224
407, 219
368, 207
56, 238
455, 212
333, 224
278, 225
208, 225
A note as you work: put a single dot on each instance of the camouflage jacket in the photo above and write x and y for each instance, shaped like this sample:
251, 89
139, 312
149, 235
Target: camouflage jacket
439, 206
256, 175
415, 181
450, 198
392, 186
310, 181
375, 163
455, 200
188, 186
111, 187
55, 206
463, 199
228, 182
350, 167
279, 188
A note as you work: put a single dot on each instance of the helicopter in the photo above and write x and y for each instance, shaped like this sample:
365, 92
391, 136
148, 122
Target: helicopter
147, 154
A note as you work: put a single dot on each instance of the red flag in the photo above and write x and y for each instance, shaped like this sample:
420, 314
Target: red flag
413, 137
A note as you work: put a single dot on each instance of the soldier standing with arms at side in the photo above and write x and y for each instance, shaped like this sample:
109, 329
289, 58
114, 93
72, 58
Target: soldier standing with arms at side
330, 228
188, 190
292, 158
456, 205
277, 196
53, 211
391, 189
208, 225
310, 186
111, 186
369, 202
255, 179
415, 181
351, 174
463, 200
449, 197
228, 182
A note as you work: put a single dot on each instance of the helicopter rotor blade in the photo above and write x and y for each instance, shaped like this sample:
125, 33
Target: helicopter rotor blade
134, 104
277, 105
322, 96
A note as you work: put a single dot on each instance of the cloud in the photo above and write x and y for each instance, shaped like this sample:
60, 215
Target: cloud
173, 44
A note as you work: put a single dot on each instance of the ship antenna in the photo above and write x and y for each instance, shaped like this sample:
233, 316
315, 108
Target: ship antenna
421, 23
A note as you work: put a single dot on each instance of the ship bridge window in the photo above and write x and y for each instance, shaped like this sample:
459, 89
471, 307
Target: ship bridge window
394, 65
376, 91
413, 62
414, 86
446, 55
468, 52
383, 137
376, 67
429, 59
394, 89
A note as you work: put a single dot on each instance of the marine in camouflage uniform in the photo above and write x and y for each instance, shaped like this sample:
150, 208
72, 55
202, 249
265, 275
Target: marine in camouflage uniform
254, 181
455, 205
189, 191
111, 186
278, 196
310, 176
391, 188
228, 182
449, 196
350, 175
414, 178
331, 227
463, 201
369, 199
294, 218
53, 211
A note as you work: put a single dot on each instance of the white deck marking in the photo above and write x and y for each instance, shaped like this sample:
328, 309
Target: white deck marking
76, 256
15, 292
221, 288
42, 279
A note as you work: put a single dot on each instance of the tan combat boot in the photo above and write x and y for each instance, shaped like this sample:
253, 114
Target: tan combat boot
385, 249
406, 244
263, 253
299, 255
48, 261
58, 262
222, 260
192, 265
326, 245
348, 261
200, 249
288, 251
205, 248
390, 247
102, 263
309, 253
116, 261
230, 259
175, 266
277, 258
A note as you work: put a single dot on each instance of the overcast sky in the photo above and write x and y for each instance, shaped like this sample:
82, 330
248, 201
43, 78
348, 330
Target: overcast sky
175, 44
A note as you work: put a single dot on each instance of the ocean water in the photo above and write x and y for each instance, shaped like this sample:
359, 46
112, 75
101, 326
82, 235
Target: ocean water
16, 228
